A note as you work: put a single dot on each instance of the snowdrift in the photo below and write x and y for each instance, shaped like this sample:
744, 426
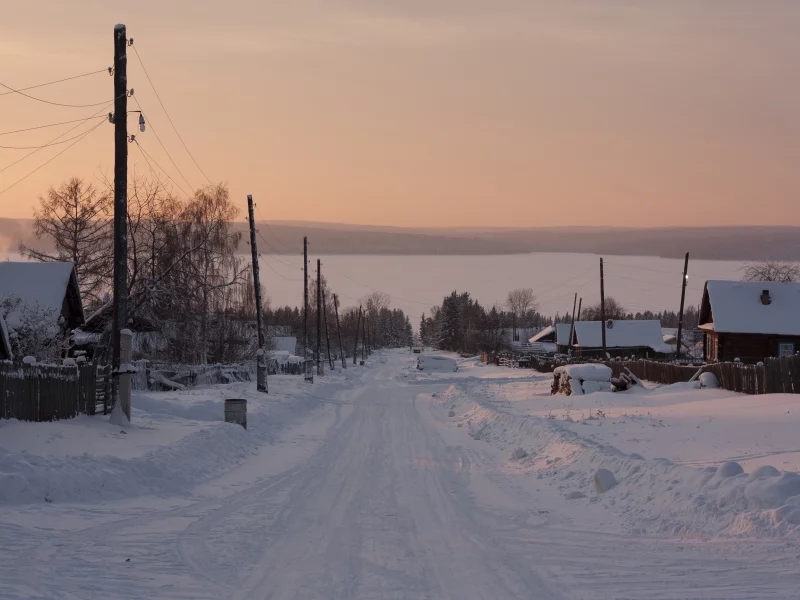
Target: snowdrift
651, 495
177, 441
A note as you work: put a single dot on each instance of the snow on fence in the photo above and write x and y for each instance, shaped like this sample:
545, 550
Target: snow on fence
772, 376
31, 392
157, 377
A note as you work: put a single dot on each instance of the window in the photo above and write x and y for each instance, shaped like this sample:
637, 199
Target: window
786, 349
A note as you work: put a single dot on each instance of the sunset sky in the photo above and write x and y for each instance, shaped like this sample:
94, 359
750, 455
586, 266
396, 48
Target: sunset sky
431, 112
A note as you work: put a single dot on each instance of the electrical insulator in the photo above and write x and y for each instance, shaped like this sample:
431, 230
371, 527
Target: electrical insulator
141, 123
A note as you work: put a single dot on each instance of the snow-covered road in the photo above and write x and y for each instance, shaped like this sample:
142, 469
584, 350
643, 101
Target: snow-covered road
374, 496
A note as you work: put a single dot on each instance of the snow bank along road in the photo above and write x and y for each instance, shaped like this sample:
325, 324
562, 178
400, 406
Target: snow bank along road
377, 493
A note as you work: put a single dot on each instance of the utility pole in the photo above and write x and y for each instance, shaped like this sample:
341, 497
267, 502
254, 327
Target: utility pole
327, 335
261, 358
572, 327
355, 344
683, 297
580, 302
309, 373
319, 318
338, 329
602, 307
364, 340
120, 302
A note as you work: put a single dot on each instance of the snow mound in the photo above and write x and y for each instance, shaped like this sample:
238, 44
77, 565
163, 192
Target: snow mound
604, 480
709, 380
519, 454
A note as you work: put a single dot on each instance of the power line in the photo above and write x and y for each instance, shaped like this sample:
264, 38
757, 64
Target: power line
147, 155
50, 125
369, 287
281, 275
155, 133
175, 129
85, 134
43, 145
643, 268
55, 139
56, 103
30, 87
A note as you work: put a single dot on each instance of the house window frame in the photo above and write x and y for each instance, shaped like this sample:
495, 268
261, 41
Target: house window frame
782, 344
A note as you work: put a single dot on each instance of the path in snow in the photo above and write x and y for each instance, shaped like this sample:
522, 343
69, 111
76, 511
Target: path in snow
373, 503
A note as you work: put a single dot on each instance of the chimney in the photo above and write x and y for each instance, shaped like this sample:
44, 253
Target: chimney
765, 299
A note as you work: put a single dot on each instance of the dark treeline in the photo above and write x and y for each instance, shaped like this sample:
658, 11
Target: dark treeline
461, 324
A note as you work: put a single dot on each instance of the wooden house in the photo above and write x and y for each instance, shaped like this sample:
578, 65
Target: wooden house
552, 339
750, 320
48, 289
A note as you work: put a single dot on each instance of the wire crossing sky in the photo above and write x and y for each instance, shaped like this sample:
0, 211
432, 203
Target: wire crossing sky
427, 112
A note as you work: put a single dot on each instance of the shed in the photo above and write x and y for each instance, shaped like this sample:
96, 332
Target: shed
750, 320
553, 338
49, 288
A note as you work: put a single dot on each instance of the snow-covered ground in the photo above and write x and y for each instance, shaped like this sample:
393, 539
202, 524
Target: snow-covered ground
391, 482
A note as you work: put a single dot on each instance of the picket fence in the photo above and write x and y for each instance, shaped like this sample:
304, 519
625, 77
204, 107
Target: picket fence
46, 392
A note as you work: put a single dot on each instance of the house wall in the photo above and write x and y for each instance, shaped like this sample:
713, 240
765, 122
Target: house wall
748, 347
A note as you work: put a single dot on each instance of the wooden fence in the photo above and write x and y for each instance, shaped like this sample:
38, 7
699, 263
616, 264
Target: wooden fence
46, 392
773, 376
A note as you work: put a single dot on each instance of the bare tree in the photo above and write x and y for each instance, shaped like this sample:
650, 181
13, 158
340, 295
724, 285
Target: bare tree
772, 270
76, 218
519, 302
613, 310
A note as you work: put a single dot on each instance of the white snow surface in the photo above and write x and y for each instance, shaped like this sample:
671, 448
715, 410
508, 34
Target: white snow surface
736, 307
360, 486
586, 372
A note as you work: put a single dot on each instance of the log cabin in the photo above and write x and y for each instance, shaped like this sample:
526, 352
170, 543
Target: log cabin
750, 320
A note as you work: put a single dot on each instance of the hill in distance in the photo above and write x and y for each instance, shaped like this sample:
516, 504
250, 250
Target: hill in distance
286, 237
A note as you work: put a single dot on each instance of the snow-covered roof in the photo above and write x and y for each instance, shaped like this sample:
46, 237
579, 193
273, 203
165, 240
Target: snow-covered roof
39, 285
288, 344
561, 334
736, 307
621, 334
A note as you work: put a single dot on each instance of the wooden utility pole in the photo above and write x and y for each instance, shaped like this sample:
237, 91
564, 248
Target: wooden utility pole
580, 302
602, 306
364, 340
683, 297
355, 344
120, 301
572, 327
309, 373
261, 357
319, 318
339, 329
327, 335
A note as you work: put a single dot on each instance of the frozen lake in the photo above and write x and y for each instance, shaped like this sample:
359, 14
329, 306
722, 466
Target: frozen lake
418, 282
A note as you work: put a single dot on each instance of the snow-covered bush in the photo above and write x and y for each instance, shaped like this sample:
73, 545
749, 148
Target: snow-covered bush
34, 330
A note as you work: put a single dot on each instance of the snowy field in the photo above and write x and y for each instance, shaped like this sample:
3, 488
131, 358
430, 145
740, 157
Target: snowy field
457, 481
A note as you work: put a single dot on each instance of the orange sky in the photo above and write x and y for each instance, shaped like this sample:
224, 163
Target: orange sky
432, 112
